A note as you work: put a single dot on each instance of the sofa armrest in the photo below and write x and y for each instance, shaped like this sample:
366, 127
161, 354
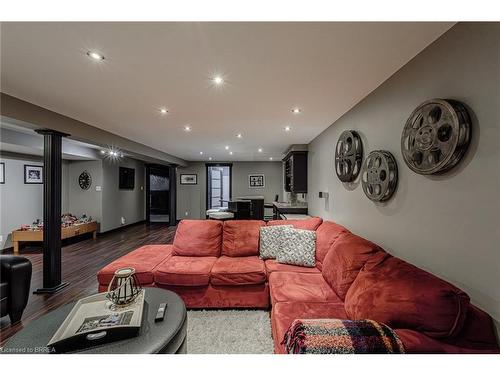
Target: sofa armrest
16, 271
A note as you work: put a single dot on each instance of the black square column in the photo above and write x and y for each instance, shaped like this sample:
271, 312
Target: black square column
52, 181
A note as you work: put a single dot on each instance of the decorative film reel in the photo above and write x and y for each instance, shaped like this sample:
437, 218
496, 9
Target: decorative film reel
348, 156
436, 136
379, 176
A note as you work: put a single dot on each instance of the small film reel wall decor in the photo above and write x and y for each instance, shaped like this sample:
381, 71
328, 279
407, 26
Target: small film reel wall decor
436, 136
379, 176
348, 156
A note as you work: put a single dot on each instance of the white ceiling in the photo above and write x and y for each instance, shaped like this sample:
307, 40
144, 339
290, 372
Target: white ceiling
269, 68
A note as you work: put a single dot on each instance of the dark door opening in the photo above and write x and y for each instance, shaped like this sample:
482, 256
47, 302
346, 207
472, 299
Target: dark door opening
160, 194
219, 185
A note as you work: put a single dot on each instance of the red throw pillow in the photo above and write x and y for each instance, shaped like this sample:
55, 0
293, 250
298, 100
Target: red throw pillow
241, 237
345, 259
326, 235
198, 238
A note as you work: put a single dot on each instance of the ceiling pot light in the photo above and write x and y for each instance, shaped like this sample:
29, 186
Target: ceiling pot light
287, 128
230, 152
95, 55
271, 158
187, 128
239, 135
201, 152
226, 147
260, 150
296, 110
218, 80
210, 158
163, 111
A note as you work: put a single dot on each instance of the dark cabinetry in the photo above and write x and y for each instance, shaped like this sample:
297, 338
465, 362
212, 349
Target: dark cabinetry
295, 170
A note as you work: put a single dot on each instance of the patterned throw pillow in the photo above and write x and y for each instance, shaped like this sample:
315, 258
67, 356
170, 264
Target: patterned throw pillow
298, 248
270, 240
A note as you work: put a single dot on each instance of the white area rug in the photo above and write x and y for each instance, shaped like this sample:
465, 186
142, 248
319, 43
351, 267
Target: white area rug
229, 332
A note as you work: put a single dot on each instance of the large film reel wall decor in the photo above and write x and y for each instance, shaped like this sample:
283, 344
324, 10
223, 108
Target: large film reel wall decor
436, 136
379, 176
348, 156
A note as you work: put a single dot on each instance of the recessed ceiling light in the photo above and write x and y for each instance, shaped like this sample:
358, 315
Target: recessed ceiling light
260, 150
226, 147
187, 128
296, 110
287, 128
239, 135
271, 158
218, 80
163, 111
230, 152
95, 56
210, 158
201, 152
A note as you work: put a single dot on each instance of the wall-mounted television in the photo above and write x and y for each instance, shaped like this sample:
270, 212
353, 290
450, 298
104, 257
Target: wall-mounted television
127, 178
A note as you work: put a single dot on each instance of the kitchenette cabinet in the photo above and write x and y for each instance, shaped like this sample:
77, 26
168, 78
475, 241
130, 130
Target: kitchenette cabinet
295, 172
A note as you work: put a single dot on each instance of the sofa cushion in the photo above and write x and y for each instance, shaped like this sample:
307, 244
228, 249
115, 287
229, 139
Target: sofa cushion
345, 259
401, 295
241, 237
298, 248
238, 271
184, 271
273, 266
300, 287
198, 238
143, 260
418, 343
326, 235
309, 224
271, 239
284, 313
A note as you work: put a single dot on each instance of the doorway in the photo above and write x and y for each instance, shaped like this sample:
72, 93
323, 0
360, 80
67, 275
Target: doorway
219, 185
160, 194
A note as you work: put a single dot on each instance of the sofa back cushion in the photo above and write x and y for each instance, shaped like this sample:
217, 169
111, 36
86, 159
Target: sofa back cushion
308, 224
240, 238
403, 296
348, 255
198, 238
326, 234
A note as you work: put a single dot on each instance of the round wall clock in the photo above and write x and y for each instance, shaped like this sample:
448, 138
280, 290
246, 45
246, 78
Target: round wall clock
85, 180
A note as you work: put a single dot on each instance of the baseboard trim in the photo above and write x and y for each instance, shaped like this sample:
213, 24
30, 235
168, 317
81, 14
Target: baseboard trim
122, 227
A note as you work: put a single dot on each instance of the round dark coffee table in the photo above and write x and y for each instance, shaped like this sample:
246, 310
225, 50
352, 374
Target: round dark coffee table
167, 336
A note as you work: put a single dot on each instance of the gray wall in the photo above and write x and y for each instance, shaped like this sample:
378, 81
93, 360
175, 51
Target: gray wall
22, 203
89, 201
116, 203
448, 225
192, 198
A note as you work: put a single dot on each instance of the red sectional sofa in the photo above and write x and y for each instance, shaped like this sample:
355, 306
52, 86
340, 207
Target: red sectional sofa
214, 264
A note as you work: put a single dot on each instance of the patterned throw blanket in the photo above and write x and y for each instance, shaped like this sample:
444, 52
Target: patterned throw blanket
335, 336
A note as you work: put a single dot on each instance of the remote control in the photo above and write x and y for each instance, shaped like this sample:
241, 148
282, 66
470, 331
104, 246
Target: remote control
160, 314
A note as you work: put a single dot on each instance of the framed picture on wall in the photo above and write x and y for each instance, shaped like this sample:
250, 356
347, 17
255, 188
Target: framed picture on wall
33, 174
189, 179
256, 181
2, 173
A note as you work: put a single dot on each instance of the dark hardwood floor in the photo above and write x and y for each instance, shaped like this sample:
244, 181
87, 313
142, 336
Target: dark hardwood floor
80, 262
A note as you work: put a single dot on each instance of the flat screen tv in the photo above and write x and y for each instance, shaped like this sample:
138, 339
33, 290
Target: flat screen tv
127, 178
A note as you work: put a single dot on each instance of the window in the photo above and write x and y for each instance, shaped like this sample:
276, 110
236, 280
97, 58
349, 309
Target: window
218, 185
